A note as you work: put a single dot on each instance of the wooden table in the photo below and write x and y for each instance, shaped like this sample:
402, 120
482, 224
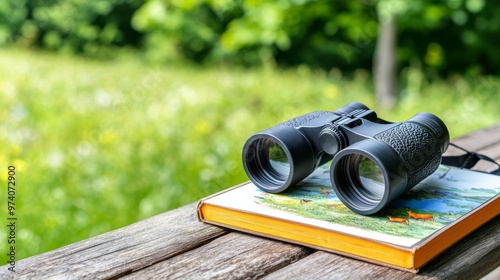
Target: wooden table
175, 245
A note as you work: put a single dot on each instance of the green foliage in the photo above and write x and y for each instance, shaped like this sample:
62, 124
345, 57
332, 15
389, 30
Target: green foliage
319, 33
451, 36
12, 14
276, 153
92, 27
322, 33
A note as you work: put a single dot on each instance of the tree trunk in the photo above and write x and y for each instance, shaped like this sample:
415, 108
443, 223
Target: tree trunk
384, 64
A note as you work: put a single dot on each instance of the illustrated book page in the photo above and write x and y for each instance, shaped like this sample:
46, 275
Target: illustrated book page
440, 200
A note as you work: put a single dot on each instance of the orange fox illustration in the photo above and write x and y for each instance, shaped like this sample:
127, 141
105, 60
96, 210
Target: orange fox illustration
398, 220
325, 192
424, 217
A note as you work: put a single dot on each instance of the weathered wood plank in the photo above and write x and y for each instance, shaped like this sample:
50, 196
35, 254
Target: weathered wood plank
223, 258
121, 251
480, 139
471, 258
169, 244
323, 265
485, 141
232, 256
493, 152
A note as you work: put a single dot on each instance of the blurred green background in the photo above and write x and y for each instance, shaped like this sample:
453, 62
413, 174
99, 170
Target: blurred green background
114, 111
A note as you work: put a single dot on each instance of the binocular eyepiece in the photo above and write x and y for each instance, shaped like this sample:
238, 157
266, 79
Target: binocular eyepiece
373, 161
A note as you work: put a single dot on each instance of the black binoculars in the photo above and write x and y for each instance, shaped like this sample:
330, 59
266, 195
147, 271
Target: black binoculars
374, 161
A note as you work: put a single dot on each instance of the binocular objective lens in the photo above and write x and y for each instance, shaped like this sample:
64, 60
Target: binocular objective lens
280, 166
371, 179
267, 163
358, 181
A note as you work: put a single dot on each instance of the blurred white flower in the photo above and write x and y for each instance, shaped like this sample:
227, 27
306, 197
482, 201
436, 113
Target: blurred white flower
103, 98
55, 158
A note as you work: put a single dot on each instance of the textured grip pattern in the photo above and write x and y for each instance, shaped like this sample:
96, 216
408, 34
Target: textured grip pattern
417, 147
300, 120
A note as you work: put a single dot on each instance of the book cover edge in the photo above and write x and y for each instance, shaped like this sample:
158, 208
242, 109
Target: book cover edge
420, 246
200, 202
412, 249
319, 248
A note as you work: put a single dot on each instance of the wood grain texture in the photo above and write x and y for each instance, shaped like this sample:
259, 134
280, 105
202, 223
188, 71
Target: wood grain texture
323, 265
232, 256
485, 141
480, 139
175, 245
471, 258
121, 251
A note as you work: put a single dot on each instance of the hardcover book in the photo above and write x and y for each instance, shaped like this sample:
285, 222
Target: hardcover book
407, 234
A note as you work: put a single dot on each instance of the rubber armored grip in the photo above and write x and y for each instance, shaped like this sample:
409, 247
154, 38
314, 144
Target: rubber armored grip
418, 148
300, 120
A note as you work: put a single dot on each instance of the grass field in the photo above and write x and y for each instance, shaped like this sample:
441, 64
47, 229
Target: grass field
98, 145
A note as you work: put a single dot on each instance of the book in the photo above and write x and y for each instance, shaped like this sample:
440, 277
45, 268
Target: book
407, 234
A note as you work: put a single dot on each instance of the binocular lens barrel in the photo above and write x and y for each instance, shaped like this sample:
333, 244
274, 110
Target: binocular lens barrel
278, 158
361, 179
365, 176
270, 161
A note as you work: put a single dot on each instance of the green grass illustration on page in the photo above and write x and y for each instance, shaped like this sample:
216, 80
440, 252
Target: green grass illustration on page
443, 197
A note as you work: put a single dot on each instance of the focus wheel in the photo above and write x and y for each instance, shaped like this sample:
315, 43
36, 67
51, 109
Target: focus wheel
332, 140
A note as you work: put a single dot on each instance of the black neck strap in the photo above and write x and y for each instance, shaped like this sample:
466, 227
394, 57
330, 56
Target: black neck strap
468, 160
